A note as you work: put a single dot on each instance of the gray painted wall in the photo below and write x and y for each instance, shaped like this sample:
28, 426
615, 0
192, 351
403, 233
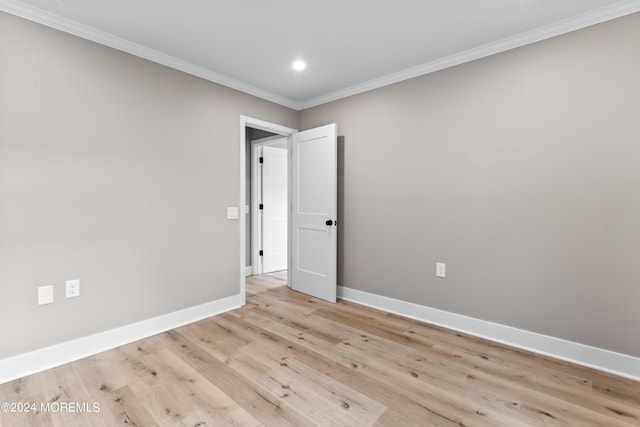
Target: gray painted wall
520, 171
115, 171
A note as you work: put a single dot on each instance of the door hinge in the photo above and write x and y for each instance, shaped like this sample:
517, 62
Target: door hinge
261, 160
261, 253
261, 206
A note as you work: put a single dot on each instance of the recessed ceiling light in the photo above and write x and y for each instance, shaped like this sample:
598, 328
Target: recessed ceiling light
299, 65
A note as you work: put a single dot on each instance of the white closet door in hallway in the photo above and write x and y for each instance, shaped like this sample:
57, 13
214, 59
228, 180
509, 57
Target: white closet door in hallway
274, 209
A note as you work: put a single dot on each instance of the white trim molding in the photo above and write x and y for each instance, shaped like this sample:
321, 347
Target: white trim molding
597, 16
57, 22
604, 360
46, 358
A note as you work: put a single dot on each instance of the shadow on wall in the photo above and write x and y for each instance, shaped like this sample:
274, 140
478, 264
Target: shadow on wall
340, 261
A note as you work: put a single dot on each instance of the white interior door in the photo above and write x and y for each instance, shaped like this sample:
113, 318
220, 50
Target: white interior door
313, 221
274, 209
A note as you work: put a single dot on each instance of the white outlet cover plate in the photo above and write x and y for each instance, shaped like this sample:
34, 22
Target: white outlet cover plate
441, 269
72, 288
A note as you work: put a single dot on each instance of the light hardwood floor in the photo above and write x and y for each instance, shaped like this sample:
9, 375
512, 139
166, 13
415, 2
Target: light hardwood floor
286, 359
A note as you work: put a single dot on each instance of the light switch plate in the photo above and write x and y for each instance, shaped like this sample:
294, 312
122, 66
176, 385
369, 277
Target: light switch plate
45, 295
232, 212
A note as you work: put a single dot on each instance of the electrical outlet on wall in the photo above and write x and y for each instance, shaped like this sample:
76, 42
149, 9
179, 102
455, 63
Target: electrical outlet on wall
441, 269
72, 288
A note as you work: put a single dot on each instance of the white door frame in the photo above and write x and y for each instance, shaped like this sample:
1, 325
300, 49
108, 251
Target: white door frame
256, 197
245, 122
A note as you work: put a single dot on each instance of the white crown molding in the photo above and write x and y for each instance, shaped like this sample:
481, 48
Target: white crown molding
46, 358
606, 13
603, 360
48, 19
597, 16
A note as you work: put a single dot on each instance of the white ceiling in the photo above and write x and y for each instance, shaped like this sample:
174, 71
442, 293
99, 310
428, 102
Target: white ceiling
349, 45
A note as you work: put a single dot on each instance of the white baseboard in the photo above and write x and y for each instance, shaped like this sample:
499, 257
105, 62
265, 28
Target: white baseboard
593, 357
248, 271
39, 360
36, 361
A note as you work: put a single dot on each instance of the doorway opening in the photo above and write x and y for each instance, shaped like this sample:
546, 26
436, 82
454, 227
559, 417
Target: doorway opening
311, 206
263, 139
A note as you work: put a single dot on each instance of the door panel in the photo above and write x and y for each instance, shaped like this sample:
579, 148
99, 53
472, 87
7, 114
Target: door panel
313, 199
274, 212
314, 259
314, 204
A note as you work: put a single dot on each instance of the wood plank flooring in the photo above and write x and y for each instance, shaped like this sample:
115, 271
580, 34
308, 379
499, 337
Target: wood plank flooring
286, 359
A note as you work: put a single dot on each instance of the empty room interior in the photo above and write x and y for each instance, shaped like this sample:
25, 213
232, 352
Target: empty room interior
285, 213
